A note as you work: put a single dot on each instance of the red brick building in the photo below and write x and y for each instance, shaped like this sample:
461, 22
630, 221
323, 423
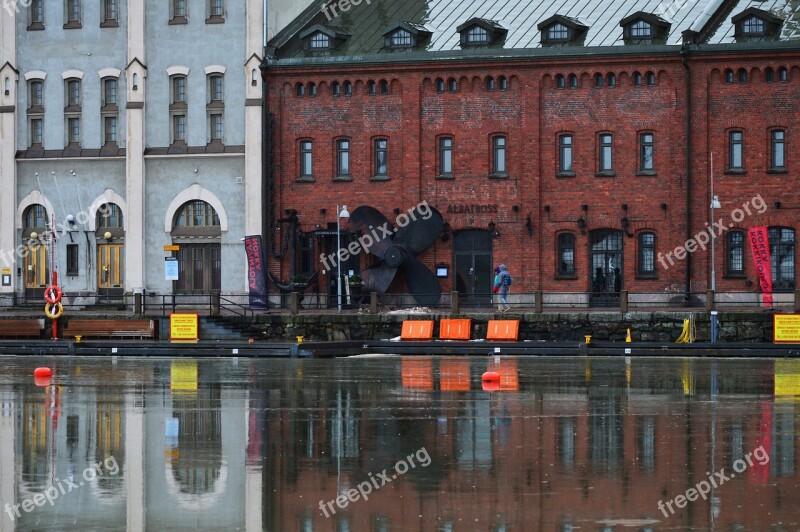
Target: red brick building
574, 147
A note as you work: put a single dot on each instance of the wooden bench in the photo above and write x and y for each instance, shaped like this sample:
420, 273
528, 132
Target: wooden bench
30, 328
110, 328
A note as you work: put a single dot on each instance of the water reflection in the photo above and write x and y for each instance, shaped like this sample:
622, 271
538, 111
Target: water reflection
260, 444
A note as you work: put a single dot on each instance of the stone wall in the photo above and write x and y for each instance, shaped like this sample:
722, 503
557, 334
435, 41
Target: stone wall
747, 327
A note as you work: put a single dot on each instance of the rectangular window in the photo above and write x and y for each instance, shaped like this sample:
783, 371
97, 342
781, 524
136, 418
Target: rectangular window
74, 93
735, 150
178, 8
74, 130
446, 156
566, 255
606, 163
179, 128
179, 89
565, 154
342, 157
72, 259
215, 88
37, 91
777, 152
216, 126
73, 12
499, 155
306, 159
110, 129
381, 157
37, 131
781, 247
646, 151
37, 13
109, 92
735, 253
647, 254
110, 10
215, 8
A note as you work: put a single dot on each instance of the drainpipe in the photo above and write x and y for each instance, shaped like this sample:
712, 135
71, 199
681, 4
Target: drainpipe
688, 88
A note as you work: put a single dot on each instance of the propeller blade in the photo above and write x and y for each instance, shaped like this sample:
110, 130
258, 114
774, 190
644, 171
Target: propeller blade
371, 223
378, 278
420, 234
422, 282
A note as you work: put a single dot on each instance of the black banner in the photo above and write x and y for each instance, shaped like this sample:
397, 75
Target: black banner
256, 274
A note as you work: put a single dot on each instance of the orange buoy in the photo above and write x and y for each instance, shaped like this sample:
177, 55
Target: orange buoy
42, 372
491, 376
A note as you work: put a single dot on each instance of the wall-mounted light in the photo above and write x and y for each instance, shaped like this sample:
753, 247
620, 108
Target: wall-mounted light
34, 235
625, 226
624, 206
529, 225
445, 233
107, 235
396, 210
515, 208
584, 207
71, 219
493, 229
323, 211
582, 225
663, 206
254, 77
777, 204
135, 82
547, 208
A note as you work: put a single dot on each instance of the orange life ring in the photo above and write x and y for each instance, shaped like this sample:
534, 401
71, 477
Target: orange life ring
52, 294
58, 312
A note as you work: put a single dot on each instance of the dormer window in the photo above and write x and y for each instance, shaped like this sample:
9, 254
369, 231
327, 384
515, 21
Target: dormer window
319, 41
321, 38
405, 35
644, 28
401, 38
559, 30
481, 32
755, 24
477, 35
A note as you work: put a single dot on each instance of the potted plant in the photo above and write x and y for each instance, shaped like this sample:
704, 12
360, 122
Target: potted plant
300, 280
355, 280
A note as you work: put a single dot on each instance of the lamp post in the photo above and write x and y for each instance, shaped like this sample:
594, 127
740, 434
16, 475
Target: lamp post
714, 205
343, 213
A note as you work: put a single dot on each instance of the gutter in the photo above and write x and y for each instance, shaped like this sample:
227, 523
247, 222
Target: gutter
685, 49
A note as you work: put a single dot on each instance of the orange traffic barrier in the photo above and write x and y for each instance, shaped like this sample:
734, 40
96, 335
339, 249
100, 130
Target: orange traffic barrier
451, 329
417, 330
503, 330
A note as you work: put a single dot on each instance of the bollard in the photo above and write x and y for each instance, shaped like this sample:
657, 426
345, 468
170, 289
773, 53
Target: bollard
623, 301
538, 303
587, 339
455, 304
710, 304
714, 327
373, 302
294, 303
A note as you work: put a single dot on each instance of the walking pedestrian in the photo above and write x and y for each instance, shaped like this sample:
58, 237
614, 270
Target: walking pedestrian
504, 281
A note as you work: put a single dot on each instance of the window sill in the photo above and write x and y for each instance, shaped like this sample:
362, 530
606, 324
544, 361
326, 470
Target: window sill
109, 108
735, 171
179, 106
646, 276
445, 176
215, 104
73, 25
380, 178
305, 179
36, 110
178, 20
735, 276
36, 26
568, 173
605, 173
344, 178
499, 175
565, 277
778, 170
110, 23
646, 173
215, 19
73, 109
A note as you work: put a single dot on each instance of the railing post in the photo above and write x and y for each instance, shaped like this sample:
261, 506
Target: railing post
137, 303
623, 301
215, 304
373, 302
710, 304
294, 303
455, 306
538, 303
797, 301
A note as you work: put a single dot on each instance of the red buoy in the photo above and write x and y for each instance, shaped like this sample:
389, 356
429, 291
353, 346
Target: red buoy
42, 382
491, 376
42, 372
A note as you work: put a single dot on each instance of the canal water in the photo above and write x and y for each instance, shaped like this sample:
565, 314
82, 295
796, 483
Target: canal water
400, 443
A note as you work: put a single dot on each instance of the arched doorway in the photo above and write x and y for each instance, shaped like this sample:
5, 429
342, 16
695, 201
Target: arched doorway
110, 237
605, 256
196, 229
36, 267
472, 259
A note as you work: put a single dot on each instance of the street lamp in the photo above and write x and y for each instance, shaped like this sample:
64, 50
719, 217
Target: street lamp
343, 213
714, 205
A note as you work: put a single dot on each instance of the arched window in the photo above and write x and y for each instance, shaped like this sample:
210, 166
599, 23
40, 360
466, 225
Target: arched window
729, 76
35, 217
196, 213
336, 89
502, 83
612, 80
109, 216
560, 81
769, 75
573, 81
598, 80
490, 83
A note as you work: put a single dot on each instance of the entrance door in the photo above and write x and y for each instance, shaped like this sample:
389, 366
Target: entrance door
199, 269
472, 259
36, 272
606, 260
110, 259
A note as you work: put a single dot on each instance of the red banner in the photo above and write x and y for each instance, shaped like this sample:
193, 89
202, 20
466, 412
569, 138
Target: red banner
759, 246
256, 279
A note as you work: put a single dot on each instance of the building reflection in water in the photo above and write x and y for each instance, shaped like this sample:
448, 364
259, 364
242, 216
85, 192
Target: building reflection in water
257, 444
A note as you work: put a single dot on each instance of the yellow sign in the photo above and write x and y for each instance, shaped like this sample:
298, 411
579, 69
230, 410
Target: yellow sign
786, 328
787, 380
172, 247
183, 376
7, 271
183, 327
